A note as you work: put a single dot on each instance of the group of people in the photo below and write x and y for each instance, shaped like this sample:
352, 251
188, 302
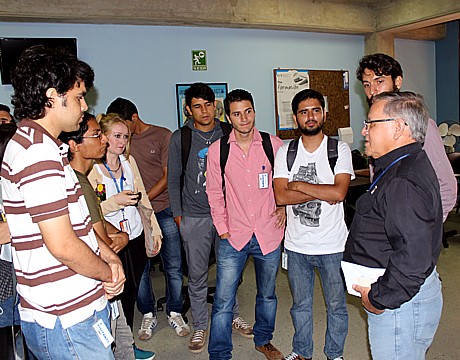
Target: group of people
89, 200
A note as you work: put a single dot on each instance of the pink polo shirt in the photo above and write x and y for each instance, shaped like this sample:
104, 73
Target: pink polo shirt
249, 209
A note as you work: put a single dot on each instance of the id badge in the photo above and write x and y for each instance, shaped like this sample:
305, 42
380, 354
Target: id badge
103, 333
284, 260
124, 226
115, 310
263, 180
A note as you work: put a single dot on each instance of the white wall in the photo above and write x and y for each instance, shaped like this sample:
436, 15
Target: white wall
143, 63
418, 60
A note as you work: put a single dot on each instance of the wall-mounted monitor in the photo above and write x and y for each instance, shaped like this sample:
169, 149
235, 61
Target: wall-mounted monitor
12, 48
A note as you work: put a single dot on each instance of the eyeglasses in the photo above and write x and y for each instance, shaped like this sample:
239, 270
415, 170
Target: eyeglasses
96, 136
367, 122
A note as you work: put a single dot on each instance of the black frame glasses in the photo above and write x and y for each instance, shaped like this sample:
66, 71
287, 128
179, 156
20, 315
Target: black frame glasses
367, 122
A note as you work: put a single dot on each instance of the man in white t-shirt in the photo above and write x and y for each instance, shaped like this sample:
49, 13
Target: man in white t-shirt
313, 181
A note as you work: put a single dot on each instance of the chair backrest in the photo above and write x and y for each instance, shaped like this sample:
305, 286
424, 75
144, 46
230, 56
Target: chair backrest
454, 159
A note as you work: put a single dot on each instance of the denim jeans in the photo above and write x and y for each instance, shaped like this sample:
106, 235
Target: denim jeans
145, 295
407, 332
171, 256
301, 274
76, 342
230, 265
199, 235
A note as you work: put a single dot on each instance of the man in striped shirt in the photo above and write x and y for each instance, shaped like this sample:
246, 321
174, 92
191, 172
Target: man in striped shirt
65, 274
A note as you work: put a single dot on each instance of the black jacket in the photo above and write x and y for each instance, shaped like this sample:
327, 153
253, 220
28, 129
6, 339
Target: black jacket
398, 226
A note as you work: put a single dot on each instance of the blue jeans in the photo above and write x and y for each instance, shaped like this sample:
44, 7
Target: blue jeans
301, 274
77, 342
145, 295
230, 265
171, 256
407, 332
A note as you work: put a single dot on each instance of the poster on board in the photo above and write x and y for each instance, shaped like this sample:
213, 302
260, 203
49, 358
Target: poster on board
289, 83
332, 84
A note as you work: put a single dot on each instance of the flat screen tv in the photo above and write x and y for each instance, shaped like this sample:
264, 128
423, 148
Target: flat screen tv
12, 48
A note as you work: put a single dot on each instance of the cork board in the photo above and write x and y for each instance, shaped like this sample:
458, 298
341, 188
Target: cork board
333, 84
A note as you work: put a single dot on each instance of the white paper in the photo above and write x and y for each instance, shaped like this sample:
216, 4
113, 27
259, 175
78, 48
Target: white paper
359, 275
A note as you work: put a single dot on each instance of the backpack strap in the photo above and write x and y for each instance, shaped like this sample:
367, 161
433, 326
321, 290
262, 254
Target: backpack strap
268, 148
226, 128
224, 150
292, 153
186, 144
332, 152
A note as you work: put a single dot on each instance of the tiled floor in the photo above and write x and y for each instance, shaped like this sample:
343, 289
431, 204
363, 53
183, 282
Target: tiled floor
445, 346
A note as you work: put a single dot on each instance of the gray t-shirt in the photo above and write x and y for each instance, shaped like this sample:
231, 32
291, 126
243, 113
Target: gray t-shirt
194, 200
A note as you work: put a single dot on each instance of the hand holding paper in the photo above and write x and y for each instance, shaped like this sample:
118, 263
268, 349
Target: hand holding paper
359, 275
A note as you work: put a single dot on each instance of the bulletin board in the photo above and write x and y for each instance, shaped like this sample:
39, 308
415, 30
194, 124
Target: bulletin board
333, 84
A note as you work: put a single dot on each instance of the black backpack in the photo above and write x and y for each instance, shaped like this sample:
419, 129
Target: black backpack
332, 152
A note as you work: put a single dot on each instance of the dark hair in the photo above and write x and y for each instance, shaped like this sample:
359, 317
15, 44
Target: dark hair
304, 95
123, 107
41, 68
237, 95
4, 107
380, 64
6, 133
76, 135
199, 90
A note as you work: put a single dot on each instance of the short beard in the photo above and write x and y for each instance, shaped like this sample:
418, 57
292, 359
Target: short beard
311, 132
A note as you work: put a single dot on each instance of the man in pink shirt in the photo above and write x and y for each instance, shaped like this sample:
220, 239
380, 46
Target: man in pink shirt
248, 223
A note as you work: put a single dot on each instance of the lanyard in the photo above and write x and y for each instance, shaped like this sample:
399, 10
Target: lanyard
384, 171
122, 177
119, 188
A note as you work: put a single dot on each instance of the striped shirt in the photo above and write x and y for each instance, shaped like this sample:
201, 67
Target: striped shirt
38, 185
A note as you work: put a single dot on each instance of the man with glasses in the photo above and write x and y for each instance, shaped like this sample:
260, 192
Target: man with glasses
314, 240
380, 73
87, 144
398, 228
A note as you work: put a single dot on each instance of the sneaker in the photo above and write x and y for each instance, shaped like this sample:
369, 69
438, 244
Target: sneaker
270, 352
197, 341
149, 323
242, 327
294, 356
140, 354
175, 321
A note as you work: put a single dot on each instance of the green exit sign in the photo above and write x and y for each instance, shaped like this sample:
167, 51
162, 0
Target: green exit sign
199, 60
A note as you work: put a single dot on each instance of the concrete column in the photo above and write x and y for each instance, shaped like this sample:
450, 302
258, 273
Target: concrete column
379, 42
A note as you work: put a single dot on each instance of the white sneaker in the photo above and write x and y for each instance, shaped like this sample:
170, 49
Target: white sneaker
197, 341
149, 323
242, 327
176, 321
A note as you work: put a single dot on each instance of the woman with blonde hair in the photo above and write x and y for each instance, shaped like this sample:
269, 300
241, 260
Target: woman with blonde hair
125, 205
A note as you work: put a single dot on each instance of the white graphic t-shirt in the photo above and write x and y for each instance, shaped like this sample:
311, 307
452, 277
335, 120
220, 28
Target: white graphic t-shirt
315, 227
